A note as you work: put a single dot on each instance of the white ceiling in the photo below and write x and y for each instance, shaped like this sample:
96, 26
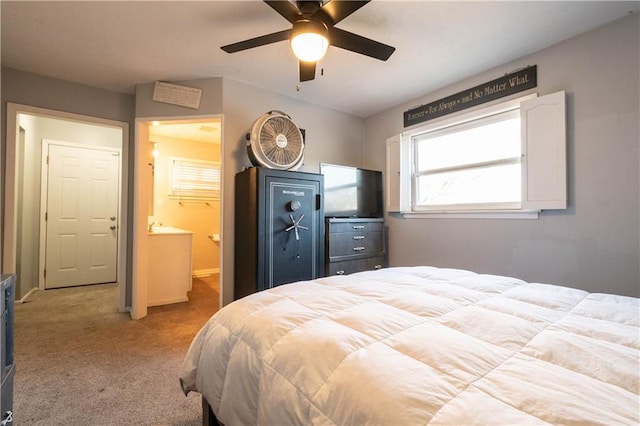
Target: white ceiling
118, 44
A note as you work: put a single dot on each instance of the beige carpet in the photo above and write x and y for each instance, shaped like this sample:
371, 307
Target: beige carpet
78, 362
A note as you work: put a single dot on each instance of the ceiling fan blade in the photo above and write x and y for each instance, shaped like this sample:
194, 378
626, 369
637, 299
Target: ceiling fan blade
285, 9
338, 10
307, 71
356, 43
257, 41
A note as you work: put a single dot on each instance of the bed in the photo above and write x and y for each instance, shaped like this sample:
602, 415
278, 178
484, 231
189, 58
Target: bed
419, 345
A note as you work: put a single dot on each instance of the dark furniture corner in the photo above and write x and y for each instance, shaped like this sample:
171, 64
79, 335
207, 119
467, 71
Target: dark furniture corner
354, 245
8, 365
279, 229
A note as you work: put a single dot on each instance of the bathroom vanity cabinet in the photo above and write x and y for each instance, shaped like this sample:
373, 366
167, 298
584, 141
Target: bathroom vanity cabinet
170, 264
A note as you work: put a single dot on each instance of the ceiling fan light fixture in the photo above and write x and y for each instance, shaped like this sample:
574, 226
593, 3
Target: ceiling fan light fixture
313, 31
309, 40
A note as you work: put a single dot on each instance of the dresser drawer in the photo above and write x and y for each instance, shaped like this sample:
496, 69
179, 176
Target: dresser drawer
356, 265
355, 243
355, 226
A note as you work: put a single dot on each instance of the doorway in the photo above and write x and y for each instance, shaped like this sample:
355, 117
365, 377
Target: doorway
178, 186
24, 232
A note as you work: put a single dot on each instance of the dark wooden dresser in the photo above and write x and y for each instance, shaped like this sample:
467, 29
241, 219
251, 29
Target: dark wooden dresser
354, 245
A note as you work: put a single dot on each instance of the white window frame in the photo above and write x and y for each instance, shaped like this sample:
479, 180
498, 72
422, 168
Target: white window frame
174, 191
543, 138
479, 121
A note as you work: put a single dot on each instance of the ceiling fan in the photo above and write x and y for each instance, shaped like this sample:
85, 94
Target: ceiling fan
313, 22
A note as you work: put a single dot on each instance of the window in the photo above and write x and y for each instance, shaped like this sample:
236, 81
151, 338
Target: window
194, 179
474, 164
504, 158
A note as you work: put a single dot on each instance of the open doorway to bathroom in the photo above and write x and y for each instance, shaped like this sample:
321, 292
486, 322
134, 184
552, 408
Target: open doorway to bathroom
182, 161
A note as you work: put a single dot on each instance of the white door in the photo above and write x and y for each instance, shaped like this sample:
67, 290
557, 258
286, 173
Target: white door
82, 207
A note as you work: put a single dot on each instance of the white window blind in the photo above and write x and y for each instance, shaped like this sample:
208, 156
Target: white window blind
192, 178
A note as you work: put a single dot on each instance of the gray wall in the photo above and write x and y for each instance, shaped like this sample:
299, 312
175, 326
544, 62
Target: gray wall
35, 90
593, 244
29, 168
331, 137
26, 88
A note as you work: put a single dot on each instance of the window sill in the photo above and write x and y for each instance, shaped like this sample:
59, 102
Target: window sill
495, 214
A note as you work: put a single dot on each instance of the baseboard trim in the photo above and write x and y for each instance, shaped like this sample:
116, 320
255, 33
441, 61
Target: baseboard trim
167, 301
200, 273
26, 296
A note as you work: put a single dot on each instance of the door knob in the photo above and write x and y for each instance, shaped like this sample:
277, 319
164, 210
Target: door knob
113, 218
112, 227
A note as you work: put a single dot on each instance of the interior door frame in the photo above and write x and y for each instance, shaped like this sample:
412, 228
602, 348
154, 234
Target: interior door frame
44, 190
9, 235
140, 261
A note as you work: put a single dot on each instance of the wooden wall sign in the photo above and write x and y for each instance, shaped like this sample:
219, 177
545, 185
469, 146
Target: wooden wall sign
509, 84
177, 95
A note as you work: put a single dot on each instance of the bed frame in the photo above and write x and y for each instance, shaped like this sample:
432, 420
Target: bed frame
208, 417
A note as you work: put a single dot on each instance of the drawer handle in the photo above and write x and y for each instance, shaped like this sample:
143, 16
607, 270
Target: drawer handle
358, 237
340, 272
358, 248
358, 226
377, 267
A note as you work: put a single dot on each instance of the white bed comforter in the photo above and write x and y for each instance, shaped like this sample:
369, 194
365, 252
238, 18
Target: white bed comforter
420, 345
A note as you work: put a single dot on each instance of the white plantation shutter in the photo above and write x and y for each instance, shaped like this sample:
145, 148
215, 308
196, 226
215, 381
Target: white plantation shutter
398, 176
194, 179
544, 148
